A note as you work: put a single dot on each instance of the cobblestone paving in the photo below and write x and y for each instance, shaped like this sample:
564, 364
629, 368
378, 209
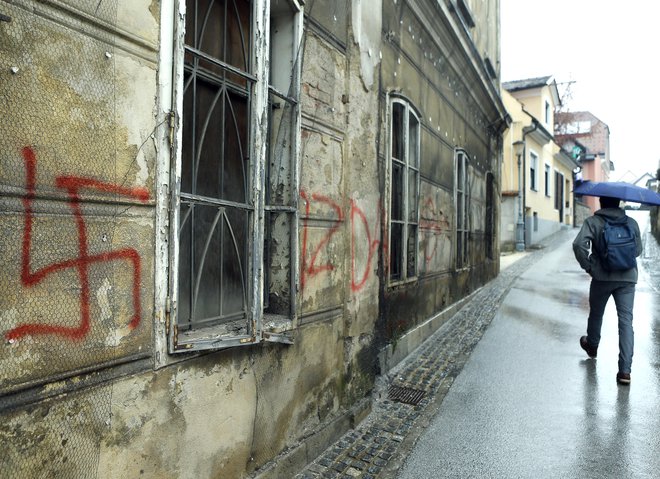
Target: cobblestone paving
366, 452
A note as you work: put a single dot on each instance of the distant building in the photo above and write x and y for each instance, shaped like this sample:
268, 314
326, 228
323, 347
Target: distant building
537, 176
587, 139
654, 184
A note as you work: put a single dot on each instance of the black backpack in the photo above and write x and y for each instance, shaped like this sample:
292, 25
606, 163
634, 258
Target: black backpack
619, 249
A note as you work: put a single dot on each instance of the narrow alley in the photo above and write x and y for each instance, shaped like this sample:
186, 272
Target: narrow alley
278, 239
527, 402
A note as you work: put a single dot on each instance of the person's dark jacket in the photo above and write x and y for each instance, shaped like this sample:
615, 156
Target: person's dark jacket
585, 246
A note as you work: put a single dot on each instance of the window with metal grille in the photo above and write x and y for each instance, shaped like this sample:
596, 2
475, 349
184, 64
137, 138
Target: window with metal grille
234, 207
462, 209
404, 190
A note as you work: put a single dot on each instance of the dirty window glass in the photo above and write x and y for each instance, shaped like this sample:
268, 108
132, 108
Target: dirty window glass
533, 171
280, 226
404, 190
217, 207
462, 210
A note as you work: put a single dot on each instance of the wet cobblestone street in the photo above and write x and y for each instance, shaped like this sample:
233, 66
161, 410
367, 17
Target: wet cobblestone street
380, 445
376, 448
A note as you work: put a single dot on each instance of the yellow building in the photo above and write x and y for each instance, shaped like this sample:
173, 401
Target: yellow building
537, 178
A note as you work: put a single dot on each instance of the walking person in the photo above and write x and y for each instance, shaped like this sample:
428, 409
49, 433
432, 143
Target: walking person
606, 248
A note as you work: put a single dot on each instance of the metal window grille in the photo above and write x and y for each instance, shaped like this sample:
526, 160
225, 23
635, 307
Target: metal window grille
216, 200
235, 209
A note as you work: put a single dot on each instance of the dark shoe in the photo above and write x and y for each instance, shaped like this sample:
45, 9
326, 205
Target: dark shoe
591, 352
623, 378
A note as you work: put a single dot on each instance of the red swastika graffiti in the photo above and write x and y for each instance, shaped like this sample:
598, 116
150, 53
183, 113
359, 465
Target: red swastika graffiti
72, 185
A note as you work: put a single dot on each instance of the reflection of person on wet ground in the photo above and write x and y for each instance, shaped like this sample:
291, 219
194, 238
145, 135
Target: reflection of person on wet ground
618, 284
605, 432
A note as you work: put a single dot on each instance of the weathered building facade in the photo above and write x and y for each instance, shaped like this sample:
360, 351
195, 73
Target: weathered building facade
537, 174
223, 219
587, 139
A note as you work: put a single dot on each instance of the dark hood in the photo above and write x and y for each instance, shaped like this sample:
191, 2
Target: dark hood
610, 213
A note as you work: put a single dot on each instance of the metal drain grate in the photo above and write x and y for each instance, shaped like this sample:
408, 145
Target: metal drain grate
405, 395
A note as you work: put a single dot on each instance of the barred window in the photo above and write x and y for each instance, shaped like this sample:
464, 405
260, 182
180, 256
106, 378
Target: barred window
234, 179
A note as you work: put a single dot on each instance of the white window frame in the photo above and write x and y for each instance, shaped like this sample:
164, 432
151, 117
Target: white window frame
461, 209
410, 209
547, 179
533, 171
257, 328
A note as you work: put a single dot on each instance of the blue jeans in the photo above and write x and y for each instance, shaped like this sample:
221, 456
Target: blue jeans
624, 298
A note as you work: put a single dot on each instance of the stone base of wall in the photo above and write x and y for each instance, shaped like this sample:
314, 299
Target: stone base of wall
294, 460
508, 223
394, 353
582, 212
544, 230
507, 246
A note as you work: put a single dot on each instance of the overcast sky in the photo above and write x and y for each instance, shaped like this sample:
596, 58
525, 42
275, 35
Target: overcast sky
610, 50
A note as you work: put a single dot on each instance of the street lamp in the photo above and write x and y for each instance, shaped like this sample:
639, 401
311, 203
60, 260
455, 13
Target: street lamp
519, 151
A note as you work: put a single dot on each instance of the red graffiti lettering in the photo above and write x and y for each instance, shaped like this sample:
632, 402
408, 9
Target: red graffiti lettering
432, 223
312, 269
359, 221
73, 185
372, 246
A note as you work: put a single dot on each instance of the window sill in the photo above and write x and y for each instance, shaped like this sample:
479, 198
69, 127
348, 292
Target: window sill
402, 282
276, 323
233, 333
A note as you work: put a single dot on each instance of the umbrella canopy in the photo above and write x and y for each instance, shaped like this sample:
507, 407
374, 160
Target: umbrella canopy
617, 189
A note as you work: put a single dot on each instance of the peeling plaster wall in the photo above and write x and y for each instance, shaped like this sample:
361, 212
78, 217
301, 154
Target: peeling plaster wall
367, 24
77, 167
222, 415
83, 104
80, 156
366, 207
77, 183
323, 206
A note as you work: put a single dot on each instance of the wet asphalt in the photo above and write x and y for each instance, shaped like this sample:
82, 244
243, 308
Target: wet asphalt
529, 403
